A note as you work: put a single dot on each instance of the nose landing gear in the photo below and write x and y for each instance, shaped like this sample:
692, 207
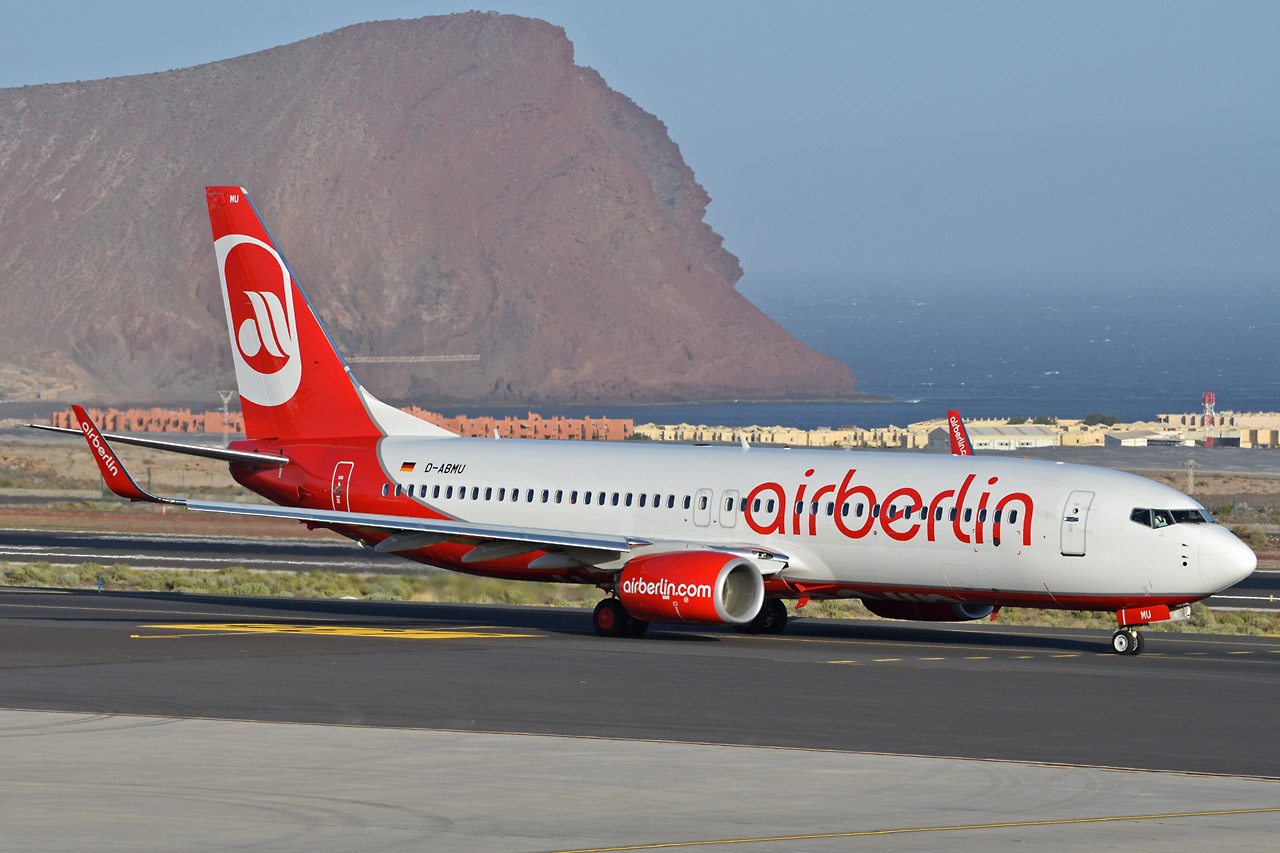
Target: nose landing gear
1127, 641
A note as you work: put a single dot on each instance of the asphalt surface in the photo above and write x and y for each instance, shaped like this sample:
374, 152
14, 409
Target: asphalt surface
1189, 703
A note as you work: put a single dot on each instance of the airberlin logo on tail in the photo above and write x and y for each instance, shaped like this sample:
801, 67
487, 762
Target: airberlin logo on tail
257, 293
100, 448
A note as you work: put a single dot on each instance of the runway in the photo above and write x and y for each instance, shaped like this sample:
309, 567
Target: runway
512, 728
1189, 703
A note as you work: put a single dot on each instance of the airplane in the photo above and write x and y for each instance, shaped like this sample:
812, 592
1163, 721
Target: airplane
711, 535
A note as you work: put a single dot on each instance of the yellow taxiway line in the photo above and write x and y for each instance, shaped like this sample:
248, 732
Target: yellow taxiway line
955, 828
238, 628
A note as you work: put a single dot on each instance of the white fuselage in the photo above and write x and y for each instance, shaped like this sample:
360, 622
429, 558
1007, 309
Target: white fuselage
913, 527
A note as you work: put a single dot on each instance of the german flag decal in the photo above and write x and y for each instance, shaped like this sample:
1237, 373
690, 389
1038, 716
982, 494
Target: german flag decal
406, 467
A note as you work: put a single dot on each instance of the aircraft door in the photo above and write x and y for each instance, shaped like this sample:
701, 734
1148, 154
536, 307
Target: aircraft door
1075, 517
729, 508
341, 486
702, 507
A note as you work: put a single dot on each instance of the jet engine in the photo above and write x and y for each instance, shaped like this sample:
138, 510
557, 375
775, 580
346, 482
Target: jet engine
927, 611
692, 586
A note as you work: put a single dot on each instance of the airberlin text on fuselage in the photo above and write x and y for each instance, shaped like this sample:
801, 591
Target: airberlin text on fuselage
101, 449
904, 523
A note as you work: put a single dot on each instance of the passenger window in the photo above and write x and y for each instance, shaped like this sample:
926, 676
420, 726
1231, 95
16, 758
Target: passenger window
643, 498
435, 491
515, 494
559, 495
702, 502
858, 512
573, 496
982, 515
586, 499
952, 514
475, 493
448, 492
657, 501
844, 510
462, 493
386, 489
728, 504
768, 507
671, 501
813, 508
937, 514
892, 512
628, 499
968, 514
799, 507
600, 499
528, 496
411, 490
615, 499
488, 493
875, 510
502, 494
996, 517
687, 501
546, 495
831, 508
1013, 516
755, 505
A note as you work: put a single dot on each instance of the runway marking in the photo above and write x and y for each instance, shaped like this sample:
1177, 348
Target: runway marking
229, 628
1022, 824
977, 657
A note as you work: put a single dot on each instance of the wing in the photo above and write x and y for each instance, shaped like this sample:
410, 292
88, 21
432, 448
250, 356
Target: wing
257, 460
407, 533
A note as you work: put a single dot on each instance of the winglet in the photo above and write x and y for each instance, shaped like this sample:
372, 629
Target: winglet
113, 470
960, 445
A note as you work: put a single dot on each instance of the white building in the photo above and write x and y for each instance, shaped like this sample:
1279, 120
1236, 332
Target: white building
999, 437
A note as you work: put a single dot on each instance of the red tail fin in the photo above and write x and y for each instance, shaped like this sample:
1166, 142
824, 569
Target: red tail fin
960, 445
293, 383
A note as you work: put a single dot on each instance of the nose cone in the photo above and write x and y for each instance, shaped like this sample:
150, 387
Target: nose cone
1224, 559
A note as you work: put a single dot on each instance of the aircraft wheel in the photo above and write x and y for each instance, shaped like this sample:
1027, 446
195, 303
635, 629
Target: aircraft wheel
636, 627
611, 618
1138, 643
776, 619
1122, 642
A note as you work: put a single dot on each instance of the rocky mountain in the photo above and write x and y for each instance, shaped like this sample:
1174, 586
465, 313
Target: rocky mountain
443, 186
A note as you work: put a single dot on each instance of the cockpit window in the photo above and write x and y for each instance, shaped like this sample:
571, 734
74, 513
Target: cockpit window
1158, 518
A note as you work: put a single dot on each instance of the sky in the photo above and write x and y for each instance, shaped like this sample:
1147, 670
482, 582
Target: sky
975, 142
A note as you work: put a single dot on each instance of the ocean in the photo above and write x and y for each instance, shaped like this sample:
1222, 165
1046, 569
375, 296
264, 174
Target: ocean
1130, 349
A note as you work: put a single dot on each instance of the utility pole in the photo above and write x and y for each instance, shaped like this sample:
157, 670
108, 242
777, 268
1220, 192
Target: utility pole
226, 400
1190, 465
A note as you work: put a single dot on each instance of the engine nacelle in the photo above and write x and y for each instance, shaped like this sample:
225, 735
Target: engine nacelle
927, 611
692, 586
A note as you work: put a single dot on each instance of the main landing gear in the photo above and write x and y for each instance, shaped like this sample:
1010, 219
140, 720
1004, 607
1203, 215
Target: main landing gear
611, 619
771, 619
1127, 641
